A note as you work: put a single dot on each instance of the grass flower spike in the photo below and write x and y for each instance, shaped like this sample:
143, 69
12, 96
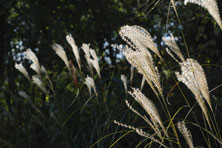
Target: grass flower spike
140, 132
86, 50
75, 49
193, 77
142, 83
95, 61
149, 107
211, 6
30, 55
186, 133
143, 61
124, 80
35, 68
138, 38
171, 43
61, 53
22, 69
91, 85
23, 94
37, 80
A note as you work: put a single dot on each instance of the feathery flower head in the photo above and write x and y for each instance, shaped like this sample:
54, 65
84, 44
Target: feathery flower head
61, 53
149, 107
37, 80
30, 55
140, 132
90, 84
35, 68
211, 6
171, 43
138, 38
194, 78
22, 69
142, 83
95, 61
86, 50
124, 80
23, 94
143, 61
44, 70
186, 133
75, 49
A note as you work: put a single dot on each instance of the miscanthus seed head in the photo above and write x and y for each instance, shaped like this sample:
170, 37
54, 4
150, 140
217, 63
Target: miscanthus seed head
22, 69
75, 49
61, 53
143, 61
24, 94
86, 49
30, 55
91, 85
124, 80
186, 133
156, 129
37, 80
192, 75
171, 43
35, 68
95, 61
211, 6
142, 83
138, 38
149, 107
140, 132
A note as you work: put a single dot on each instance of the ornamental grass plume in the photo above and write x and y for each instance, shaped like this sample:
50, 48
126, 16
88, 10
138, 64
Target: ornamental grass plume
155, 121
34, 67
95, 61
86, 49
24, 94
211, 6
138, 38
142, 83
22, 69
192, 75
156, 129
75, 49
149, 107
37, 80
186, 133
30, 55
171, 43
124, 80
143, 61
140, 132
61, 53
91, 85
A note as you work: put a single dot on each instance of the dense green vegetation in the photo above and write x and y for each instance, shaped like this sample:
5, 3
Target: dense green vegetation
69, 116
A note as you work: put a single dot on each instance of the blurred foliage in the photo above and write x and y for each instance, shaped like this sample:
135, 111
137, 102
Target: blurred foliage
70, 117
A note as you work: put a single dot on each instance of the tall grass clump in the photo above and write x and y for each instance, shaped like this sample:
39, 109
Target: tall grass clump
78, 106
168, 133
73, 105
